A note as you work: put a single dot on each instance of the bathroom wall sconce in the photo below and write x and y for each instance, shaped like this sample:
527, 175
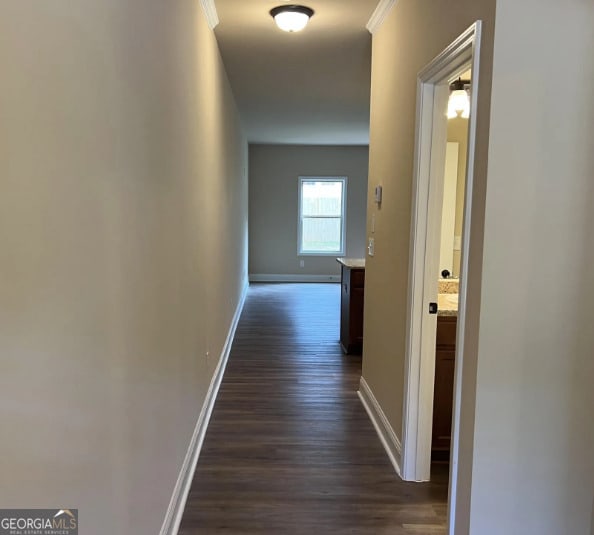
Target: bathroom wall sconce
459, 102
291, 18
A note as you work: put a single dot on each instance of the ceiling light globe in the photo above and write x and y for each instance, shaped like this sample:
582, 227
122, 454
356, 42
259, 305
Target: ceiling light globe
291, 22
291, 18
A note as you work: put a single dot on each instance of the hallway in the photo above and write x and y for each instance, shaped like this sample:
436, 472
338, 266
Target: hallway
289, 448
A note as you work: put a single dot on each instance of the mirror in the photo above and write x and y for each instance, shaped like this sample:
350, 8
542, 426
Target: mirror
453, 195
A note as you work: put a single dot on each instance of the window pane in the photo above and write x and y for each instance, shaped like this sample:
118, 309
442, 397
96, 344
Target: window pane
322, 198
321, 235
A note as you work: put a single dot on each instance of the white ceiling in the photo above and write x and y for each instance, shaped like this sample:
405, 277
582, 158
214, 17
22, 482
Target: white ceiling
310, 87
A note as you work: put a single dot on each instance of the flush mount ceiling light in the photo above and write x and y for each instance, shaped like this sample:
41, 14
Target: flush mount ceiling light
459, 102
291, 18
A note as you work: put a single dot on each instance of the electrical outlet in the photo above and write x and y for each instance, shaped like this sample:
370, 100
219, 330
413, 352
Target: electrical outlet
301, 263
371, 247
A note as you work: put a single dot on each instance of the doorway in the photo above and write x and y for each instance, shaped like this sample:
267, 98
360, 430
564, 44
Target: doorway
460, 58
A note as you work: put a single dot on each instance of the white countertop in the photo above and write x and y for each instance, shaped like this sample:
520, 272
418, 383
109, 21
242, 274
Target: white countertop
447, 304
358, 263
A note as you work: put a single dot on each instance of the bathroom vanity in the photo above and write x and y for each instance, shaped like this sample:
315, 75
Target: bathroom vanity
445, 353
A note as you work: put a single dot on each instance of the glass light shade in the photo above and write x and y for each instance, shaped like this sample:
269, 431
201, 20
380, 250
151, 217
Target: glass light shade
291, 18
459, 104
291, 21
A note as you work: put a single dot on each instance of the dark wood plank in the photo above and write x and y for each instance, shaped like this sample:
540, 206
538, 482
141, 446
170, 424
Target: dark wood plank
290, 449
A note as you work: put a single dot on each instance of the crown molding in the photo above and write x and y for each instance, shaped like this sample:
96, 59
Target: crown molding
380, 13
210, 12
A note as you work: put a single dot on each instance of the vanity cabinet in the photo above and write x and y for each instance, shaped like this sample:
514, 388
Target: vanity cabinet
351, 304
445, 353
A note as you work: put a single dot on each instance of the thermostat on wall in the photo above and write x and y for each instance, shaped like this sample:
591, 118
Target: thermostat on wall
378, 194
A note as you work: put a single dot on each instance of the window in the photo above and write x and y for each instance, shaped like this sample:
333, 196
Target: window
322, 204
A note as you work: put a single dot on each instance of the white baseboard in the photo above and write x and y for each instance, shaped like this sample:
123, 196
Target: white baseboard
259, 277
382, 426
184, 481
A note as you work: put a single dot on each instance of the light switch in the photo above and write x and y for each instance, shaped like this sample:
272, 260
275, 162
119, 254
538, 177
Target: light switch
371, 247
378, 194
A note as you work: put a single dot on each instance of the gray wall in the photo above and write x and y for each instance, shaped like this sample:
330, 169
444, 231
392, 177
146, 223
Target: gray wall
533, 468
526, 428
413, 33
120, 152
273, 204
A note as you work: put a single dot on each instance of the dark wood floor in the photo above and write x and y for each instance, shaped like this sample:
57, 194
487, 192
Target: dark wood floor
290, 449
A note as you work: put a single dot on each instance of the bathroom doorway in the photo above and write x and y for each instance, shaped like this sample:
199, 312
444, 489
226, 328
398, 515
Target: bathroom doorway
434, 360
450, 253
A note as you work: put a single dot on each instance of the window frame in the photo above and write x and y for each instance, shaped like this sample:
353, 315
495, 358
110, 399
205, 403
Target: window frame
305, 179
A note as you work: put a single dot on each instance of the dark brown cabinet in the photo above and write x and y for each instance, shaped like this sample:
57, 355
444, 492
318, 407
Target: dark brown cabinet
445, 353
351, 305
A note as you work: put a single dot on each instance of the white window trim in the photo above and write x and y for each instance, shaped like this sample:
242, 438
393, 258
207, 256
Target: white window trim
344, 181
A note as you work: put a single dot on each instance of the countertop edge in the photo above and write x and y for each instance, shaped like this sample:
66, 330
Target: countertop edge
353, 263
